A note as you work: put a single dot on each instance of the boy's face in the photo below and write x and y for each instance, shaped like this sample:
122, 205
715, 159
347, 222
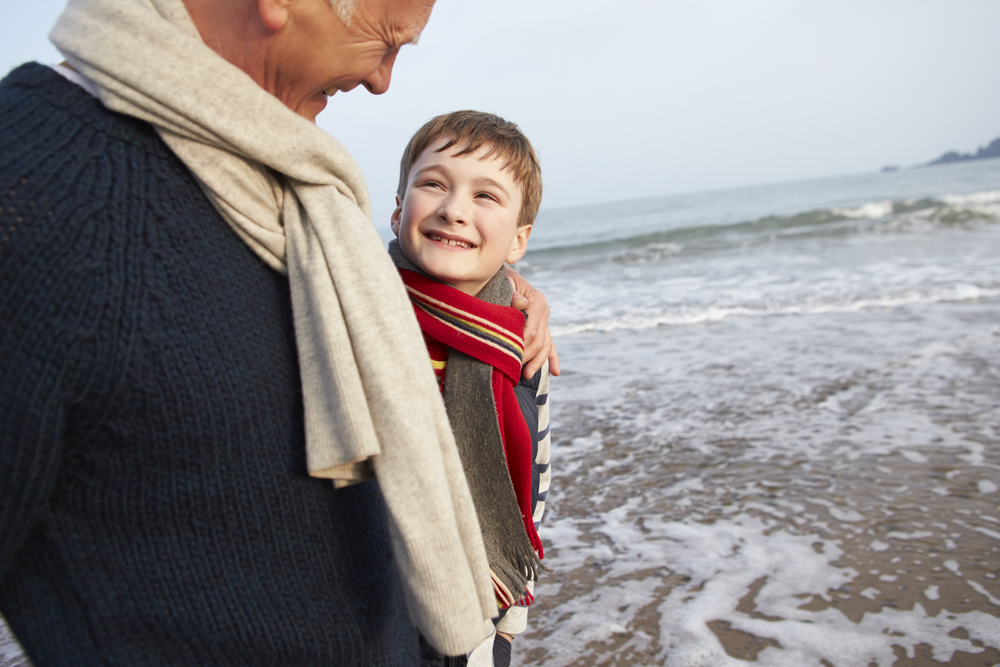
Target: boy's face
458, 218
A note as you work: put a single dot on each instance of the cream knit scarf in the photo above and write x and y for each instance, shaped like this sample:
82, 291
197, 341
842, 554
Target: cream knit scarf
297, 198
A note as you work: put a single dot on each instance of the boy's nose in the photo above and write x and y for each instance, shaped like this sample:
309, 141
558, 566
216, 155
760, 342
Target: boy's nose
453, 210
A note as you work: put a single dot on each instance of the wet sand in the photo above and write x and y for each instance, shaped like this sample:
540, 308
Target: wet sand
899, 563
821, 492
847, 518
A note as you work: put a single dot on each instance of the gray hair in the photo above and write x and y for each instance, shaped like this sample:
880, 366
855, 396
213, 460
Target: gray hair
345, 9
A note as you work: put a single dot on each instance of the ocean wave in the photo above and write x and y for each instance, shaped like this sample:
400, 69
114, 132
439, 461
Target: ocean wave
872, 210
693, 315
989, 198
883, 216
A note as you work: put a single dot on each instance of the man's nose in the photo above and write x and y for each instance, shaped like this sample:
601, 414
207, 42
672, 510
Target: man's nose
378, 81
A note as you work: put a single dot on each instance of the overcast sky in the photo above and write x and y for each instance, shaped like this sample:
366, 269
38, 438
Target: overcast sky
638, 98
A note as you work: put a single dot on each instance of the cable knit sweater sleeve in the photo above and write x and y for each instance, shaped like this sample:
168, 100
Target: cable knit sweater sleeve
154, 502
54, 303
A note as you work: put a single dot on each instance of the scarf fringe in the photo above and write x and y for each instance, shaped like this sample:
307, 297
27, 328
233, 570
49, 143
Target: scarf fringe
515, 568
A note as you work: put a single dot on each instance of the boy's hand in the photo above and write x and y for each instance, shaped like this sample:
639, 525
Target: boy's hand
538, 345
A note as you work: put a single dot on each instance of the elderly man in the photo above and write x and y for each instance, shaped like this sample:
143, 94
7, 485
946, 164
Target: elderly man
201, 331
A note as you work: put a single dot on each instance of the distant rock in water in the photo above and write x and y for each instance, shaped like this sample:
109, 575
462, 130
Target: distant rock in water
993, 150
889, 168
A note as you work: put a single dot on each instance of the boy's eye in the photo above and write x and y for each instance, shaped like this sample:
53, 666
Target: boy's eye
430, 184
487, 195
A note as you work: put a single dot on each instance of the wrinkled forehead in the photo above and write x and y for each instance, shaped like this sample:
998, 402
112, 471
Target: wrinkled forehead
400, 21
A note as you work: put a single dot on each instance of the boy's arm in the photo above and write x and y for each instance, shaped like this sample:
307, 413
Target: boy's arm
515, 621
543, 455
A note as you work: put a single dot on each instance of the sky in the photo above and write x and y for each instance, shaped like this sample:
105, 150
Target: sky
643, 98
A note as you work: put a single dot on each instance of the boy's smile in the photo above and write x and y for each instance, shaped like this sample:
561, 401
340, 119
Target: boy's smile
458, 218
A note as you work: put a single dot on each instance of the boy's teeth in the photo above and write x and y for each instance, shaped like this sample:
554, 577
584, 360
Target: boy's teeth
460, 244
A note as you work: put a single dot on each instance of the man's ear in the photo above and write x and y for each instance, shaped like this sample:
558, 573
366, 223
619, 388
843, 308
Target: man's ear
520, 244
397, 215
274, 14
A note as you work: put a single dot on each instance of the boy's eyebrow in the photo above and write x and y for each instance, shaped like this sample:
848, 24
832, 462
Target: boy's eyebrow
430, 168
486, 180
481, 181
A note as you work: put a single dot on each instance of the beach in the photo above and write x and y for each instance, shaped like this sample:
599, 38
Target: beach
776, 436
779, 444
729, 511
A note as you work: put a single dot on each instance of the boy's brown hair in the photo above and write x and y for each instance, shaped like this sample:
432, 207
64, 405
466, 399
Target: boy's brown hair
472, 130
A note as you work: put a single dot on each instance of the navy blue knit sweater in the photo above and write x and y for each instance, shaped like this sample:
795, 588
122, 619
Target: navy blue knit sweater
154, 502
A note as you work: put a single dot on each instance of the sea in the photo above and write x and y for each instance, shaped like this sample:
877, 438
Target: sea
776, 434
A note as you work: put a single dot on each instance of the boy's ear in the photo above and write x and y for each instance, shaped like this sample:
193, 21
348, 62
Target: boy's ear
520, 244
274, 13
396, 217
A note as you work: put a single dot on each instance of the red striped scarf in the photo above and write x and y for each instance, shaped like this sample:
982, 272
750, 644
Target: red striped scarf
491, 334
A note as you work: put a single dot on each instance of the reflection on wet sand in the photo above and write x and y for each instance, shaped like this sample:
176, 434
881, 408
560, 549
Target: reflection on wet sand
710, 514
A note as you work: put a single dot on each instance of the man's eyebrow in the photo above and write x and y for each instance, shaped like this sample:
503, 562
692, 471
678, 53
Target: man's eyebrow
402, 35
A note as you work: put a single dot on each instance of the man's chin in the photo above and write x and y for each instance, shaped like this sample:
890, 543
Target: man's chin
312, 106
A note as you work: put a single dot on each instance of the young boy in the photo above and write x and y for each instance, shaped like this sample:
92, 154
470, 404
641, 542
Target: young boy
469, 189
